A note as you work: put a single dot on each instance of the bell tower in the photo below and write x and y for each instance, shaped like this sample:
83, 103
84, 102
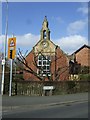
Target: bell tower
45, 32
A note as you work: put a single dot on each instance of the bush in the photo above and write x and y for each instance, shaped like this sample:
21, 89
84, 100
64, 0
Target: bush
71, 86
84, 77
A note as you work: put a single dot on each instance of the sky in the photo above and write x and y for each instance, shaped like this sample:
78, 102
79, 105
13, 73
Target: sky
68, 23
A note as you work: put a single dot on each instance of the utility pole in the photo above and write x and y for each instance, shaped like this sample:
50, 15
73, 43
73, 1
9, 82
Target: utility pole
6, 28
5, 44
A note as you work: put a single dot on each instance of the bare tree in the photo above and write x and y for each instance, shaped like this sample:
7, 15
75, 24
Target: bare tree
26, 67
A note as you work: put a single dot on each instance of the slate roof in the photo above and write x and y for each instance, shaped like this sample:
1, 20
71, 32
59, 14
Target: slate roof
84, 46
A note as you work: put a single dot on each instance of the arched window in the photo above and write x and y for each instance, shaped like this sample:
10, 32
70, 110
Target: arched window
44, 65
44, 34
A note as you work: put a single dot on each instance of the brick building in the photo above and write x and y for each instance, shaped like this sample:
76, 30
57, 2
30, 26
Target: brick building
79, 62
46, 59
82, 55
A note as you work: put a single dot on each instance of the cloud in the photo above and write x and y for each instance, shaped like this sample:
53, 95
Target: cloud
76, 27
68, 44
2, 40
83, 9
26, 41
71, 43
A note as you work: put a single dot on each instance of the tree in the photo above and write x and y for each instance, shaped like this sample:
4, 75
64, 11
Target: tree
22, 60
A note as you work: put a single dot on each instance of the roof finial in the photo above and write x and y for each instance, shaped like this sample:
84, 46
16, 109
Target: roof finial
45, 18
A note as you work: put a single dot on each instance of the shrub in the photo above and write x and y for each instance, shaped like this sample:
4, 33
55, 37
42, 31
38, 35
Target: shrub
84, 77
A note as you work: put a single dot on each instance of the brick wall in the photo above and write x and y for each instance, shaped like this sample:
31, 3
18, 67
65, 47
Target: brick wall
60, 65
83, 57
30, 60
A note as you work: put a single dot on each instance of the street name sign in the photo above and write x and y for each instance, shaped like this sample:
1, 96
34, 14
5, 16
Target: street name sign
48, 87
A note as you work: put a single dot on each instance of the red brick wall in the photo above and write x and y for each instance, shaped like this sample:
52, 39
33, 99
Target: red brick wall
61, 62
30, 60
83, 57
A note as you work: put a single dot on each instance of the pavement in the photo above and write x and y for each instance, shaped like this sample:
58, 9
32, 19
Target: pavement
16, 102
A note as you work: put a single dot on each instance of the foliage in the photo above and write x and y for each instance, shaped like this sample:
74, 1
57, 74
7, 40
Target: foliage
34, 88
85, 69
71, 85
85, 77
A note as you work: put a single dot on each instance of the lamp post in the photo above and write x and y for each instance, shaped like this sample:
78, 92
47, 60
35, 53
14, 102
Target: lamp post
6, 32
5, 45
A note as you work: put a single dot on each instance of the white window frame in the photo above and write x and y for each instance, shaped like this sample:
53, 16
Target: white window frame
42, 64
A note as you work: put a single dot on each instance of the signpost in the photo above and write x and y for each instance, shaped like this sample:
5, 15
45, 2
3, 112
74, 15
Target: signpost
11, 55
3, 62
3, 69
48, 87
48, 90
11, 48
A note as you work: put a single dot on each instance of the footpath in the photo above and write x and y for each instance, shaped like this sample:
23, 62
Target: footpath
16, 102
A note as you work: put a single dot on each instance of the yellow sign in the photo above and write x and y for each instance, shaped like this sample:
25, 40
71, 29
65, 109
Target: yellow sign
11, 48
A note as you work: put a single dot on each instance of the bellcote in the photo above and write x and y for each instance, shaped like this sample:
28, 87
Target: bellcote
45, 32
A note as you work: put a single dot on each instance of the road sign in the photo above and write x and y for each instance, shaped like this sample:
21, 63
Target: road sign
3, 62
11, 48
48, 87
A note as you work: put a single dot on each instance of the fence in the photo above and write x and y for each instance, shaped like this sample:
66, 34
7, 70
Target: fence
34, 88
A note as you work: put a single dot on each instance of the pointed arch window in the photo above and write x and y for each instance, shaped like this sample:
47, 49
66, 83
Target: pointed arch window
44, 65
44, 34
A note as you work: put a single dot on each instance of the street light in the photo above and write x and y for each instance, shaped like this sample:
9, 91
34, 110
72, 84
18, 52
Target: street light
6, 32
5, 45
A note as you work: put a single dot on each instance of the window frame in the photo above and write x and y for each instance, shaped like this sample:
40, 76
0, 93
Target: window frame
45, 62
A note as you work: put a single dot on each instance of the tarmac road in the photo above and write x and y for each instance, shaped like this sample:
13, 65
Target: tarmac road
18, 101
46, 106
70, 110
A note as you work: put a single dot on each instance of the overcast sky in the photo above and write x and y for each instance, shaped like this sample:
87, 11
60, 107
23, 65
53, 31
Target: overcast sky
68, 23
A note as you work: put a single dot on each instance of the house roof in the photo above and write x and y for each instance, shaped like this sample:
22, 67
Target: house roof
84, 46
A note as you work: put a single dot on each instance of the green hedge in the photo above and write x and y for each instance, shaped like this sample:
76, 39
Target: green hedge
85, 77
61, 87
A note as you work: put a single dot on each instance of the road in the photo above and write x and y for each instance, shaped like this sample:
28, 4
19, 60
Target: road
69, 110
37, 100
70, 105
